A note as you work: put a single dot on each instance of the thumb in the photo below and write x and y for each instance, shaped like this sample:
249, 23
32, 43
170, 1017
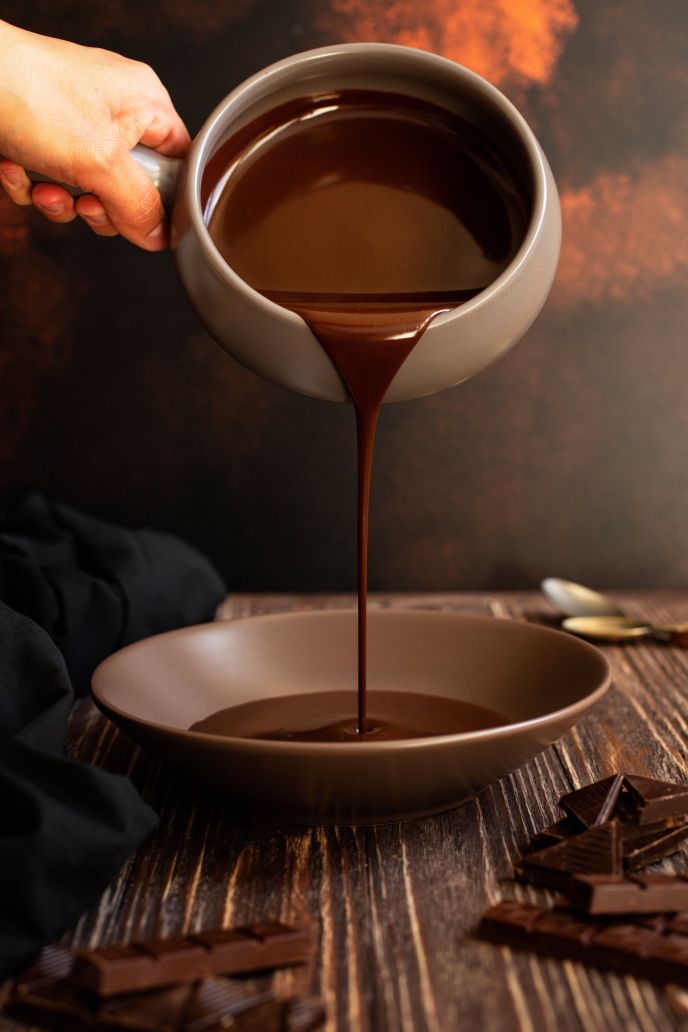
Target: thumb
131, 201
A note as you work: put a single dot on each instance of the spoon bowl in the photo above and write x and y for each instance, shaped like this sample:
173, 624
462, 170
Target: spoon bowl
577, 600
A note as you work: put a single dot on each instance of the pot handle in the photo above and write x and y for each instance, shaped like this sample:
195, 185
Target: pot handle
163, 171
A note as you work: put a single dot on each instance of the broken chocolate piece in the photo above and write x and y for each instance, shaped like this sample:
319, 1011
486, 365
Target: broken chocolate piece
563, 829
151, 964
647, 800
604, 894
218, 998
644, 949
593, 804
55, 1004
200, 1006
640, 850
595, 851
642, 842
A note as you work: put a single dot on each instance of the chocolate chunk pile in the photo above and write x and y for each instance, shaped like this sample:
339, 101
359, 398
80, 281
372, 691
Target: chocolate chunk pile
163, 984
611, 829
621, 823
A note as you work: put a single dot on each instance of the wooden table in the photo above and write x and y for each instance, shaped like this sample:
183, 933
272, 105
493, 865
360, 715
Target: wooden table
392, 907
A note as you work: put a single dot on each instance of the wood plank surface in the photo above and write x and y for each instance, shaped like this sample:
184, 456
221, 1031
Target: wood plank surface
392, 907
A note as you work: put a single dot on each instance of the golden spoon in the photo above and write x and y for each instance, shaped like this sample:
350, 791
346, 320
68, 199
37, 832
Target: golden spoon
595, 616
624, 628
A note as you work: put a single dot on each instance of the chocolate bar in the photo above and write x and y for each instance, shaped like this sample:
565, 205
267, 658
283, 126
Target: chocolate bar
46, 996
594, 851
153, 963
656, 949
651, 894
199, 1006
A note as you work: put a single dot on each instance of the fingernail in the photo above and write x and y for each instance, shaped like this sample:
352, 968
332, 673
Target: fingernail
12, 178
157, 236
51, 209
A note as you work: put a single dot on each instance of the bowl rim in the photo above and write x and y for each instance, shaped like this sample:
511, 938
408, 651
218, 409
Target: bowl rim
574, 710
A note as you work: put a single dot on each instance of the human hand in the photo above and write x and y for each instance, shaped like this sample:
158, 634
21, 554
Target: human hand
73, 113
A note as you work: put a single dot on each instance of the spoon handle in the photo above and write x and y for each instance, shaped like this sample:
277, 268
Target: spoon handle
677, 636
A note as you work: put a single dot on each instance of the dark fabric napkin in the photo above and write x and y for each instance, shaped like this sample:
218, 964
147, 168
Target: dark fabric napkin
73, 589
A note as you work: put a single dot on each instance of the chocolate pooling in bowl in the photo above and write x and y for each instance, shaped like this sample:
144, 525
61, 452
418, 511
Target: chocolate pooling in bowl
327, 717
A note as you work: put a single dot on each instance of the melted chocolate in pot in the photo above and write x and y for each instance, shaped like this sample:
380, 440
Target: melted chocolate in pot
368, 214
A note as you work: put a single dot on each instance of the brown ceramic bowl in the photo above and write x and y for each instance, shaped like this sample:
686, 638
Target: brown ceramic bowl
542, 680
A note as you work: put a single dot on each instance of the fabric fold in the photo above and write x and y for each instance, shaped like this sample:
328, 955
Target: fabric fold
66, 827
95, 587
73, 589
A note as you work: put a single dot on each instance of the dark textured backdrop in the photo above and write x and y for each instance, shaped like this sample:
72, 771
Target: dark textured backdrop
567, 457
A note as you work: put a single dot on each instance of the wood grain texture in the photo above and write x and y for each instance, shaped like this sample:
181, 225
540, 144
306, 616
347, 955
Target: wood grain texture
392, 907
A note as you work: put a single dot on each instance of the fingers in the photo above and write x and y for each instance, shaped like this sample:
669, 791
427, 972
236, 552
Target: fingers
94, 215
120, 198
129, 201
53, 202
162, 129
126, 201
131, 205
136, 209
167, 134
15, 182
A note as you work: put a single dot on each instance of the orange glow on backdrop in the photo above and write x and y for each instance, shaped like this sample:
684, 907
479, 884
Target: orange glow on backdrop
516, 41
625, 235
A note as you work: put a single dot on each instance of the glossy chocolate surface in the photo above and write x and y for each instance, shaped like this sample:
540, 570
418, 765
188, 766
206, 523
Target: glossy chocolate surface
327, 717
